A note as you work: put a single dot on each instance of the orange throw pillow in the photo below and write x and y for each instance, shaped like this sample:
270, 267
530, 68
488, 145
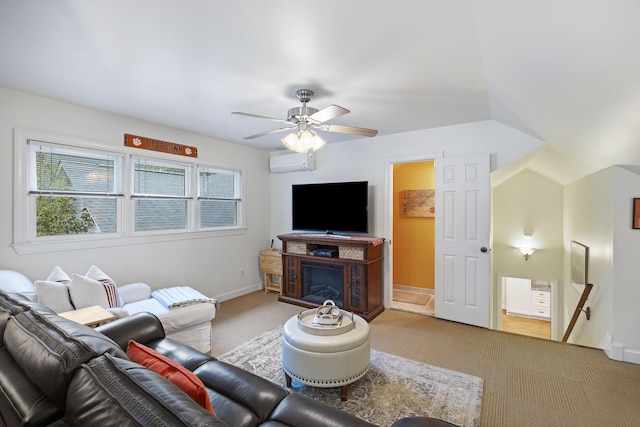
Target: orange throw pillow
174, 372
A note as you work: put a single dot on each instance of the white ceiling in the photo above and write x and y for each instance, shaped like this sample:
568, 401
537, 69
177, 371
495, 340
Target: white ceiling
565, 71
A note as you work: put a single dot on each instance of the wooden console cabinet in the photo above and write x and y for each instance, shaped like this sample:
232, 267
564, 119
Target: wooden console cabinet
355, 263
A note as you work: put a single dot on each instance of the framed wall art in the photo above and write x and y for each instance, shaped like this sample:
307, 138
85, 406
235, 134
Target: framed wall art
579, 263
418, 203
636, 214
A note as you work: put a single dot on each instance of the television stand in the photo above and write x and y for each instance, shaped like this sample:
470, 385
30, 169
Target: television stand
347, 270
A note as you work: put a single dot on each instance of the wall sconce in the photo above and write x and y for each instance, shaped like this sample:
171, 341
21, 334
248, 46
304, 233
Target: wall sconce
526, 252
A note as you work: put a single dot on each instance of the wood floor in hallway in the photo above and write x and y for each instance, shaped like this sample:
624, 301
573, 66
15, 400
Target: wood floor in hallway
525, 326
417, 301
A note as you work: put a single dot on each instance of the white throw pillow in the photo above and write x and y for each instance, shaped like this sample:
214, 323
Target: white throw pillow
58, 275
109, 285
86, 292
134, 292
54, 295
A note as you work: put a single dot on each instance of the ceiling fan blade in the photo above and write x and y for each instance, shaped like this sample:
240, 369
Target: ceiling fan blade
328, 113
269, 132
256, 116
349, 129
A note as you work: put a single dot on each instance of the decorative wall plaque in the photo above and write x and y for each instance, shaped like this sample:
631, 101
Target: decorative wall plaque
157, 145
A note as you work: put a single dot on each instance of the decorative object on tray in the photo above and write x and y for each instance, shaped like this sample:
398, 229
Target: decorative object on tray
327, 314
342, 321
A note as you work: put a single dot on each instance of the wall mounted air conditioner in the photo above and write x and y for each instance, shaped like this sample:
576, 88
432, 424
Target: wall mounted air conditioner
293, 162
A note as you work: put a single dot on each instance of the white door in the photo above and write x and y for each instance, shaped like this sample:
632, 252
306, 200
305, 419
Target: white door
462, 239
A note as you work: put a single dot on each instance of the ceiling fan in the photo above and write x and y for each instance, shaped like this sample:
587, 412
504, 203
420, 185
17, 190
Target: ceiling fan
304, 120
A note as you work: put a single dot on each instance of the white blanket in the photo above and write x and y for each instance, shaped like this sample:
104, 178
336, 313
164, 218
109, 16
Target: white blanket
179, 296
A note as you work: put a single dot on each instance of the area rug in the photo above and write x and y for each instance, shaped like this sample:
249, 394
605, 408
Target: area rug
393, 388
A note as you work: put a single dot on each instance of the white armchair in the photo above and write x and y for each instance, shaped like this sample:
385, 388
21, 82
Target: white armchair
188, 324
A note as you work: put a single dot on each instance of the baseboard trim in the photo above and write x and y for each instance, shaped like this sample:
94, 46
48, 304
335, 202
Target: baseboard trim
413, 289
622, 354
240, 292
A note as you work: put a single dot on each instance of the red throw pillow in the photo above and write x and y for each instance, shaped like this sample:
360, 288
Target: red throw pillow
171, 370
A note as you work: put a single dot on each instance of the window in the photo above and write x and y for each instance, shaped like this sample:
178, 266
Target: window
219, 196
75, 194
73, 191
161, 192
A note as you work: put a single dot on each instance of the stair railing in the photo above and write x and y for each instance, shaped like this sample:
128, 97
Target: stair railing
579, 309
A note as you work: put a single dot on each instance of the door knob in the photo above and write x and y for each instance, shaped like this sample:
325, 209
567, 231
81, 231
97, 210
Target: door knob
483, 249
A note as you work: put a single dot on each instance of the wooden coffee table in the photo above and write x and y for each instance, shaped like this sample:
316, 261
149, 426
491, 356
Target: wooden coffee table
90, 316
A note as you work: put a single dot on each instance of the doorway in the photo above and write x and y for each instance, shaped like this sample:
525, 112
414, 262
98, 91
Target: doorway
528, 306
452, 233
413, 237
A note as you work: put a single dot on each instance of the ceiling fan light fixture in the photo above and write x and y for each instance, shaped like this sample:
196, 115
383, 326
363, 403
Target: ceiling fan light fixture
303, 141
291, 142
303, 119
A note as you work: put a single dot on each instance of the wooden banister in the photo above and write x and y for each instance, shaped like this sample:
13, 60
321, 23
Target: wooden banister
579, 308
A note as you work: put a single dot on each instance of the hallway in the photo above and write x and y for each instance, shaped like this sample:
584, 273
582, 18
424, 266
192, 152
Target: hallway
413, 300
421, 301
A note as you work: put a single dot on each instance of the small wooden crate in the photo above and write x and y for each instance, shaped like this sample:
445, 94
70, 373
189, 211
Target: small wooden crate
271, 267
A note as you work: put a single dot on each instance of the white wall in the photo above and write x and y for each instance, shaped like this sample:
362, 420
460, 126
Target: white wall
598, 214
211, 264
588, 220
626, 271
370, 159
531, 204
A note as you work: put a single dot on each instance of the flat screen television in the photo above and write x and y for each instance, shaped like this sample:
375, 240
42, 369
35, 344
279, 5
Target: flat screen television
335, 207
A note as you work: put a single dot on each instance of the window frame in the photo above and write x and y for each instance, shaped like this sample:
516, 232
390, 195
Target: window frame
135, 196
238, 196
33, 193
24, 204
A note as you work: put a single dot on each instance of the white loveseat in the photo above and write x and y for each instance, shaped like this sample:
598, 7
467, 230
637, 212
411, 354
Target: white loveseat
188, 322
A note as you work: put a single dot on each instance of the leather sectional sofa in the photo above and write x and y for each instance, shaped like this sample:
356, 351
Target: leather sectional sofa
56, 372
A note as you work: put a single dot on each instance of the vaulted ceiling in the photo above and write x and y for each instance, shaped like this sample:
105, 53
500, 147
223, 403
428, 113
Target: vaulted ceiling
566, 72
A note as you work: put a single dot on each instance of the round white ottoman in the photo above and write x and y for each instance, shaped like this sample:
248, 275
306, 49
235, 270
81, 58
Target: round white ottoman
326, 360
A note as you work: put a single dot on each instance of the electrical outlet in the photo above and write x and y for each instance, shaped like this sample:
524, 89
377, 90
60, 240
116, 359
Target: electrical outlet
242, 272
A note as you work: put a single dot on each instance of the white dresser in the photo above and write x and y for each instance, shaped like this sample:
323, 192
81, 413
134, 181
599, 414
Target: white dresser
529, 298
540, 299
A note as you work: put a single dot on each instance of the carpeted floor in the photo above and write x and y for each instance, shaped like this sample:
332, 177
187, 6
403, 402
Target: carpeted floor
394, 387
528, 382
